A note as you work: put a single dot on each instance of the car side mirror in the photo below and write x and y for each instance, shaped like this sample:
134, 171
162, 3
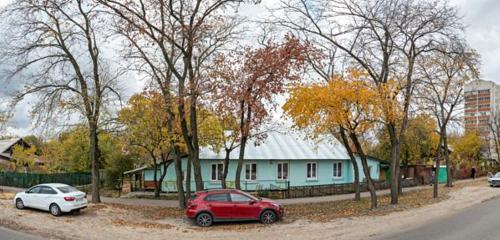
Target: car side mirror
251, 202
27, 192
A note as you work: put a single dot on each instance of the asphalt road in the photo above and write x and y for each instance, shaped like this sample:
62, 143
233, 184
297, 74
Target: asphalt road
8, 234
480, 222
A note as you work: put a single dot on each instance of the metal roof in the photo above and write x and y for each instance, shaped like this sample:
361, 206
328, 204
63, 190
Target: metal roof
281, 146
7, 143
136, 170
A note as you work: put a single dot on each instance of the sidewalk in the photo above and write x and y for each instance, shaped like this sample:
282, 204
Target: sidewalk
174, 203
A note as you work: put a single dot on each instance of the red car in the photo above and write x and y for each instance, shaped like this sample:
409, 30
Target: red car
219, 205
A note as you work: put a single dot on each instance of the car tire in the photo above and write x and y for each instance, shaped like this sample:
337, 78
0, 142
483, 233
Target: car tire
19, 203
204, 220
55, 210
268, 217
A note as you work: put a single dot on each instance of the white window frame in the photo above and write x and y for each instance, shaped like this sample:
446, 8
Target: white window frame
316, 170
287, 171
250, 175
217, 177
334, 176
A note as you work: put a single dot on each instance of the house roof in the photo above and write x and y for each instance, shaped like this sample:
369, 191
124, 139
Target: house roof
281, 146
7, 143
140, 169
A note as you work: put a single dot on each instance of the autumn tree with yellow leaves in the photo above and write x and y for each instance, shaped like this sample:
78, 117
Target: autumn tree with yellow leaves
346, 104
23, 157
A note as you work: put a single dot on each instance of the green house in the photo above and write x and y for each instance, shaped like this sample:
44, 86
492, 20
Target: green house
279, 161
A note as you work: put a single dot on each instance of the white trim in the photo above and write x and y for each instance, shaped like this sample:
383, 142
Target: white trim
341, 170
316, 170
287, 171
250, 175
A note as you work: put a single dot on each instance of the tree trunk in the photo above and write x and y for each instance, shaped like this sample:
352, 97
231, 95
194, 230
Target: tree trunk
436, 174
162, 177
155, 179
449, 175
395, 151
241, 156
180, 184
345, 141
244, 128
400, 179
226, 167
95, 160
188, 178
496, 135
195, 160
366, 170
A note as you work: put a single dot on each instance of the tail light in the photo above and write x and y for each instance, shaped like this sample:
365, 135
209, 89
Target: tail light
69, 199
191, 205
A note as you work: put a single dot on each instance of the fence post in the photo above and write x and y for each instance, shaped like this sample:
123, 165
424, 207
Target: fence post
288, 189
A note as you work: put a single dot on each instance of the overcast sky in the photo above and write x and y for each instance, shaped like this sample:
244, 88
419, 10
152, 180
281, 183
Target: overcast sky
482, 18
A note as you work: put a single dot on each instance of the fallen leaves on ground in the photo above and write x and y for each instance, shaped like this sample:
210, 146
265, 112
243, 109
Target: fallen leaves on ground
149, 212
141, 224
327, 211
7, 195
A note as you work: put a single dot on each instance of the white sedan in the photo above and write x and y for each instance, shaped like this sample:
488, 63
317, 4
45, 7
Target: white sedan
494, 180
54, 197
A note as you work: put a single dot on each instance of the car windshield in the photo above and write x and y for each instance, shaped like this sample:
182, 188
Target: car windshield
67, 189
497, 175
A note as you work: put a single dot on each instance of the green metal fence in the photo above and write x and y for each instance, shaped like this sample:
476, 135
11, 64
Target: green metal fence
25, 180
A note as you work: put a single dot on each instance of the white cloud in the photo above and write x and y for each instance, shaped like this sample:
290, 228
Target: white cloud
482, 18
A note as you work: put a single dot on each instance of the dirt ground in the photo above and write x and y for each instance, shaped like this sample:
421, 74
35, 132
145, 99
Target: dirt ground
337, 220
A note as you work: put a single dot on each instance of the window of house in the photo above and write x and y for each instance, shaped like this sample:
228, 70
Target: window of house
251, 171
311, 170
282, 171
337, 169
217, 170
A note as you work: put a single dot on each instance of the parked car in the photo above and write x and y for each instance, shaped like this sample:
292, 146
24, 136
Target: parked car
209, 206
54, 197
494, 180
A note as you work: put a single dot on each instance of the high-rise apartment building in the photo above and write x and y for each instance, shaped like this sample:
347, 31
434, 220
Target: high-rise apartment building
482, 106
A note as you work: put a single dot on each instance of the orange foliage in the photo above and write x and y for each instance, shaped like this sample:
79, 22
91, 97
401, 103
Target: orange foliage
344, 101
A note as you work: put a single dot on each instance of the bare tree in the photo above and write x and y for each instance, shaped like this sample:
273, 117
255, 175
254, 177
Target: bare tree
384, 38
494, 126
56, 48
444, 75
176, 39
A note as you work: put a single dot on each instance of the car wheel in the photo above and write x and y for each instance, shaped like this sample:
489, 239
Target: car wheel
19, 203
55, 210
204, 220
268, 217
